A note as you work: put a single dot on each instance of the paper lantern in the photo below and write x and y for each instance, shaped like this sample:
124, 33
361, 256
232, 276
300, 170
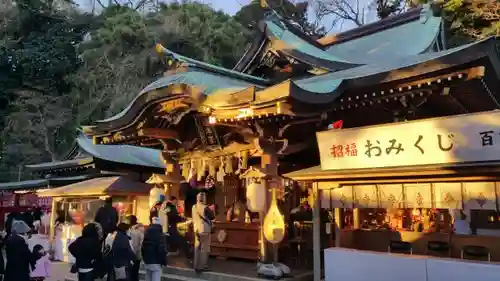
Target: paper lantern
274, 223
155, 195
256, 197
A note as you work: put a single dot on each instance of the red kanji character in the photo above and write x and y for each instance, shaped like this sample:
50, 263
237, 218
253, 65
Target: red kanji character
350, 150
337, 151
354, 150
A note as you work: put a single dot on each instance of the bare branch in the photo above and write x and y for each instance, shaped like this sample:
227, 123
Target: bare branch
342, 10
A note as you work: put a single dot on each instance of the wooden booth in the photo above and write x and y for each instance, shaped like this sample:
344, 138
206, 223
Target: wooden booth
78, 203
427, 187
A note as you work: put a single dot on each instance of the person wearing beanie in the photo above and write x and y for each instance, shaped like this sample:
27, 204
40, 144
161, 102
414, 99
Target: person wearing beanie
154, 250
18, 253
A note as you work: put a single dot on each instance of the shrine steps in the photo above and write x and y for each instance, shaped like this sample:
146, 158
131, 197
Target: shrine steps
171, 273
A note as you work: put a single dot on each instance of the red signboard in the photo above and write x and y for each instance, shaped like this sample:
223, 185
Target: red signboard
7, 199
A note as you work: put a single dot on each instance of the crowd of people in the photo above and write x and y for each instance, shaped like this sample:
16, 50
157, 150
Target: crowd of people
22, 264
108, 249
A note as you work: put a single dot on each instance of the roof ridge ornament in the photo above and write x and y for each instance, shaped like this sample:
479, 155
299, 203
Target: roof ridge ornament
425, 13
429, 10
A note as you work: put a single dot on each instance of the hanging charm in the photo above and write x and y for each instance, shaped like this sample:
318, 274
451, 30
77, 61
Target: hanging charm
244, 159
221, 173
186, 170
211, 168
229, 164
240, 163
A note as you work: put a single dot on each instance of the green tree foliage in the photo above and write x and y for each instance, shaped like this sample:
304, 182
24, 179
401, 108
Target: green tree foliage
37, 51
387, 8
473, 19
62, 69
250, 15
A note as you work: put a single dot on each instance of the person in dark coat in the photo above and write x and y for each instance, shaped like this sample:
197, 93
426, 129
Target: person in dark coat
86, 250
155, 211
37, 218
190, 193
18, 253
176, 239
2, 262
107, 217
123, 254
154, 250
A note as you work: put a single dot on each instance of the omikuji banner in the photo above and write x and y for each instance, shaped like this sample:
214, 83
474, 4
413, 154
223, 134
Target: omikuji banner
457, 139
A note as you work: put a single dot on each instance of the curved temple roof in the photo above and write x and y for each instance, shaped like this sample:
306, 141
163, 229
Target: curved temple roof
414, 37
327, 87
412, 33
125, 154
319, 89
359, 59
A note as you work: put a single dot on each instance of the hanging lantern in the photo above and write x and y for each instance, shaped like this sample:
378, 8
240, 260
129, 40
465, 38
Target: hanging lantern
274, 223
256, 197
155, 195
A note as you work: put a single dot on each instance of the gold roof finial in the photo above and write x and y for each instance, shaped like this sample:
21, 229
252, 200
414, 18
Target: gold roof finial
159, 48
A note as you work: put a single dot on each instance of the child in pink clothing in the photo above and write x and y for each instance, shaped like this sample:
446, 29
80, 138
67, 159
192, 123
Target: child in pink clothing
39, 263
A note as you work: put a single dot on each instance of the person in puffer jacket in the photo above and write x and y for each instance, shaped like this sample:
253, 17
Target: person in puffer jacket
154, 250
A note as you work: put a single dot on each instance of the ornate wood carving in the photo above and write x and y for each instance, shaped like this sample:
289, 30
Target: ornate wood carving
208, 134
159, 133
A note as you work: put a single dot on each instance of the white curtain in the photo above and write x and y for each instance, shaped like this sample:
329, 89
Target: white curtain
480, 196
448, 195
418, 195
365, 196
390, 195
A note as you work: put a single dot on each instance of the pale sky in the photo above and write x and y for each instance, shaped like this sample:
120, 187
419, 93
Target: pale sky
232, 6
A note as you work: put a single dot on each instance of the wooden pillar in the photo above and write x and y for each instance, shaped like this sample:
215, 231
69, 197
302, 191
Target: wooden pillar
173, 173
356, 218
316, 233
338, 225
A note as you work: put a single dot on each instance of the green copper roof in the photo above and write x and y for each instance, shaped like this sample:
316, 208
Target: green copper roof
41, 183
214, 68
412, 38
207, 81
309, 53
60, 164
329, 83
125, 154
